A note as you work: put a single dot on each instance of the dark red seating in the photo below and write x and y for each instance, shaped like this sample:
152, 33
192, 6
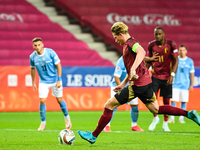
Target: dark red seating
180, 19
20, 22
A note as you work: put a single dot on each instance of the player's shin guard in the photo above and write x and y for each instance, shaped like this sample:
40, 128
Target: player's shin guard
103, 121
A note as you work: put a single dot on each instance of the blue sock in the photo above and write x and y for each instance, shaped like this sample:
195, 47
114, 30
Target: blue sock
43, 112
63, 107
114, 110
183, 105
173, 104
134, 114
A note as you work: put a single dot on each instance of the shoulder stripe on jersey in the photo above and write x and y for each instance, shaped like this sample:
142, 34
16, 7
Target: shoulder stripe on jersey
135, 46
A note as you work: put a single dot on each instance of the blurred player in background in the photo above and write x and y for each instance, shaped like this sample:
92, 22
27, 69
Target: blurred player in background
119, 75
183, 81
163, 71
139, 85
49, 69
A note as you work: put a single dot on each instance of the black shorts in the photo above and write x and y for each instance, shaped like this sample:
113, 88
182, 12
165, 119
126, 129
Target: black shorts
165, 90
144, 93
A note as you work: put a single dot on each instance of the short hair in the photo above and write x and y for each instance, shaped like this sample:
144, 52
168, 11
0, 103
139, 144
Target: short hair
119, 27
182, 46
159, 28
36, 39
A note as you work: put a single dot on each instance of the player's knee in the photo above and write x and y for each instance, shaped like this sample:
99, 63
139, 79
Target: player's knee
110, 104
107, 104
42, 101
59, 99
154, 109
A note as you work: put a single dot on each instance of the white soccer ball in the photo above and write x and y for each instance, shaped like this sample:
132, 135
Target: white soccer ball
66, 137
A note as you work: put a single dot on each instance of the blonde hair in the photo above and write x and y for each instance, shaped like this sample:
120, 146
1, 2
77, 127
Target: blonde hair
36, 39
119, 27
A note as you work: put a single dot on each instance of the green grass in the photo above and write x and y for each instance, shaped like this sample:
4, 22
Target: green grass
18, 131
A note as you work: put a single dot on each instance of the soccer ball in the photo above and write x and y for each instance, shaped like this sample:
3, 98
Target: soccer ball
66, 137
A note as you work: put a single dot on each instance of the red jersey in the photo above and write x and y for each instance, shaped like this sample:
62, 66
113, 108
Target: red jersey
162, 68
129, 57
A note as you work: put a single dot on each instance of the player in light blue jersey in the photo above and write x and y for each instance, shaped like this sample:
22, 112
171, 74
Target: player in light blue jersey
119, 75
49, 69
183, 81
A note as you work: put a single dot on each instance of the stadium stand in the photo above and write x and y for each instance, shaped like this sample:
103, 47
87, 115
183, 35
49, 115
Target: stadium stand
20, 22
180, 19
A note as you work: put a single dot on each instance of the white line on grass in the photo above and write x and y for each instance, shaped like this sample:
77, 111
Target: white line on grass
145, 132
29, 130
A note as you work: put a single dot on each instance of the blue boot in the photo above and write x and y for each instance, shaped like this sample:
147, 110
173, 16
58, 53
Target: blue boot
193, 115
87, 136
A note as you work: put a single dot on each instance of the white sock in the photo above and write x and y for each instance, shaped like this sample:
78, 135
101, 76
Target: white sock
172, 117
133, 124
66, 117
108, 124
156, 117
181, 118
165, 123
43, 122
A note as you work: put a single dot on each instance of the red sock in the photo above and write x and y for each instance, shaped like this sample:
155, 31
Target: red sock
166, 117
103, 121
170, 110
166, 102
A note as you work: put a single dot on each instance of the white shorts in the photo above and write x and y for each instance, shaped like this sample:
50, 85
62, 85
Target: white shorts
178, 94
132, 102
44, 90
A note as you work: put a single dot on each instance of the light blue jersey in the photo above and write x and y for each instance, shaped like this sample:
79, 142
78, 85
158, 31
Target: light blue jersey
120, 71
45, 65
182, 78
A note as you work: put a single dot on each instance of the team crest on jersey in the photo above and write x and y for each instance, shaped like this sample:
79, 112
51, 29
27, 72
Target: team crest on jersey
166, 50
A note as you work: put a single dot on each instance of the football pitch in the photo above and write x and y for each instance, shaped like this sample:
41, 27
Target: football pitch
18, 131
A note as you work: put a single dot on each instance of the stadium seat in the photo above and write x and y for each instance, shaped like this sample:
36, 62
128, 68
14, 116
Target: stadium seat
180, 19
21, 22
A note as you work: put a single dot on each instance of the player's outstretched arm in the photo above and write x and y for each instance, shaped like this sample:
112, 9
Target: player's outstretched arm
121, 85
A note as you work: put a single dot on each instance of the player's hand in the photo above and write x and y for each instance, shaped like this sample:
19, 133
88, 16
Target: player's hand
170, 80
58, 84
34, 87
133, 75
155, 56
117, 88
191, 88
